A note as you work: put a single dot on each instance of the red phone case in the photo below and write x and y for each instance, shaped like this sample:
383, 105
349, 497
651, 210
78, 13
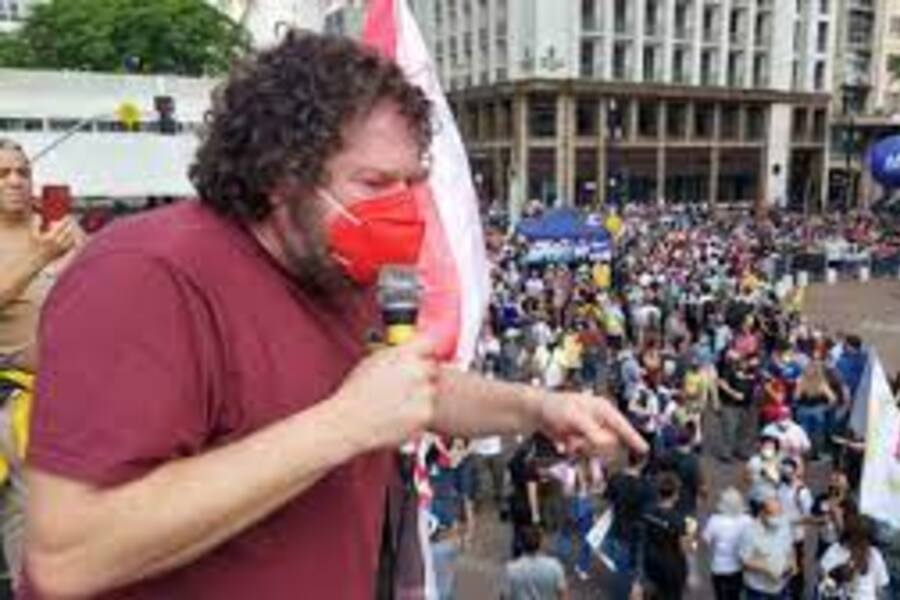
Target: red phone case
56, 203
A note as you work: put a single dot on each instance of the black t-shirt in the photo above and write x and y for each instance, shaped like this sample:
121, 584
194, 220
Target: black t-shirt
686, 465
664, 561
522, 470
741, 382
630, 497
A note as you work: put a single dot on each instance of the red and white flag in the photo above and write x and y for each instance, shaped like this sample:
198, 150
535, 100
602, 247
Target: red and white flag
453, 267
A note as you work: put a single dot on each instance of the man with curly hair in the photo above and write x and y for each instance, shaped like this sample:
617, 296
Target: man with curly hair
209, 423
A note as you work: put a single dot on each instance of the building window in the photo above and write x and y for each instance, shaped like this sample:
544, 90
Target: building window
682, 20
822, 38
708, 69
760, 71
819, 125
587, 58
648, 119
819, 76
763, 28
895, 26
710, 23
679, 65
676, 120
652, 15
798, 124
756, 124
21, 124
735, 69
730, 129
620, 65
542, 116
621, 16
586, 117
703, 120
589, 15
651, 64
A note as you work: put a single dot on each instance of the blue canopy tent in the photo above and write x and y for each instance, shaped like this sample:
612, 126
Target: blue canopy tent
561, 224
563, 235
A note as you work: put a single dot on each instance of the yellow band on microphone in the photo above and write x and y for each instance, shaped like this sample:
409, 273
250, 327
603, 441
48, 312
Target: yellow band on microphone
400, 334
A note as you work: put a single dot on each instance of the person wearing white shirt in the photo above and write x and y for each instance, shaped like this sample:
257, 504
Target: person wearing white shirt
853, 568
794, 440
797, 504
722, 534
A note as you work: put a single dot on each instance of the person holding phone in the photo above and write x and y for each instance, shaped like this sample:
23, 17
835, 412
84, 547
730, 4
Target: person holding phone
34, 248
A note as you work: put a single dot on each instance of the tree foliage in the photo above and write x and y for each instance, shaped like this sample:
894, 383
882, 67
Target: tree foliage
182, 37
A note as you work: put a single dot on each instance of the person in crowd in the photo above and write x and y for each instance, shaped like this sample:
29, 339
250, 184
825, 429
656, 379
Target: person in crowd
230, 337
581, 479
767, 552
814, 398
853, 567
851, 363
763, 471
722, 534
832, 509
668, 541
792, 438
687, 466
736, 396
33, 255
887, 538
630, 495
797, 503
534, 575
448, 516
524, 501
487, 458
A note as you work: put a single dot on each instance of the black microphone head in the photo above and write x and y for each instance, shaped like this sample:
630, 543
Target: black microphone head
399, 293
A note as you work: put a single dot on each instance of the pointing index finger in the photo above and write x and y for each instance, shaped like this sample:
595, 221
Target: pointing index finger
615, 421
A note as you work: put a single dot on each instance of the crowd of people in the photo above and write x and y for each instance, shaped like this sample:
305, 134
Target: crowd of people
691, 330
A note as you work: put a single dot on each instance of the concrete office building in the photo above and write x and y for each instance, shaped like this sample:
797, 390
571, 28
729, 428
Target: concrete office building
866, 102
582, 101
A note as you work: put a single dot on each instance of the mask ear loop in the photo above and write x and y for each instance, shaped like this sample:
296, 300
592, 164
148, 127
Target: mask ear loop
334, 204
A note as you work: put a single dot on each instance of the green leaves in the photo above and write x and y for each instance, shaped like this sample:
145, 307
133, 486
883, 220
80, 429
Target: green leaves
181, 37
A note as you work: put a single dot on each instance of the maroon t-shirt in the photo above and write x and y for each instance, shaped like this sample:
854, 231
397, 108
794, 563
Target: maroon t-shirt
174, 333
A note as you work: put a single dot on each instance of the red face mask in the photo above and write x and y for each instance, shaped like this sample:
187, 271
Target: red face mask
374, 232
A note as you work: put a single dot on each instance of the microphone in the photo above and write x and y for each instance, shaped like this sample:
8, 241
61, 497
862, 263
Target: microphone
399, 294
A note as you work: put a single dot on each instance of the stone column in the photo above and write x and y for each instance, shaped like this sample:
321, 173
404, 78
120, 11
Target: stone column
602, 141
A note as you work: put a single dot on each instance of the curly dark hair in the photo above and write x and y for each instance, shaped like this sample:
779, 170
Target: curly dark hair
280, 117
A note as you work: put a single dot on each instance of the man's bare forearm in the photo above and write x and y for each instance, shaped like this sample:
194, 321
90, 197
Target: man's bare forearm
16, 275
182, 510
476, 405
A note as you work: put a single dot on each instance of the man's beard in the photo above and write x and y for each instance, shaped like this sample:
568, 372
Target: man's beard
313, 269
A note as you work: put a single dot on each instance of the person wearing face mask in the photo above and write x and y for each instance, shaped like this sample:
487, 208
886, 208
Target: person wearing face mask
797, 503
763, 471
767, 552
240, 436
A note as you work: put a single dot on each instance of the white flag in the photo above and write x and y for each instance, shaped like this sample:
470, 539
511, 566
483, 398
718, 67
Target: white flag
880, 494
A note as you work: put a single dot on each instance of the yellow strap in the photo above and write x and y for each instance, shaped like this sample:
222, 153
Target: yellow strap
400, 334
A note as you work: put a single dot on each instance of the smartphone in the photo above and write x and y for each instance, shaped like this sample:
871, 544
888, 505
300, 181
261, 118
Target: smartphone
56, 204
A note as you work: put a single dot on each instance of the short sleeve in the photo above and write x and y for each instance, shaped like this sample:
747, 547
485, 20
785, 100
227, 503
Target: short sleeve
745, 545
708, 531
121, 387
832, 558
879, 570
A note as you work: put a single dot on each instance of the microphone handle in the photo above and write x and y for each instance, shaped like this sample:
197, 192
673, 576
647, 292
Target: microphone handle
399, 325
